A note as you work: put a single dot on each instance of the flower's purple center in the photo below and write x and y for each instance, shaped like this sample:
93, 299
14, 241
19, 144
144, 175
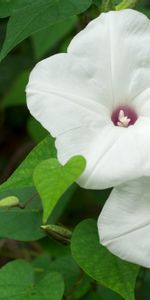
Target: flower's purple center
124, 116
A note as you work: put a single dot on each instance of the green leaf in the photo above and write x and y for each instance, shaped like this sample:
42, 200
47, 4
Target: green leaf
22, 177
145, 11
8, 6
99, 263
62, 204
93, 295
83, 286
47, 38
102, 293
108, 294
144, 283
17, 282
50, 287
37, 16
54, 248
70, 272
5, 8
51, 180
24, 223
64, 265
36, 130
97, 3
16, 95
76, 282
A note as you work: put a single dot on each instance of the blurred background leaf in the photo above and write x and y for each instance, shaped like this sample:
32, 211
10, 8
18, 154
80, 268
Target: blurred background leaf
16, 95
38, 15
18, 277
98, 262
49, 37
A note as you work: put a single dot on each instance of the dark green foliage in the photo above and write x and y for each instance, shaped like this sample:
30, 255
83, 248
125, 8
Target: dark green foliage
99, 263
35, 187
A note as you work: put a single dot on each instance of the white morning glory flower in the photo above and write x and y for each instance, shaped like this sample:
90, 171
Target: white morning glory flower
96, 101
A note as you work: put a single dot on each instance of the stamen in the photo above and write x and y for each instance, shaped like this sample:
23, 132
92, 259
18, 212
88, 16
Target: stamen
123, 120
124, 116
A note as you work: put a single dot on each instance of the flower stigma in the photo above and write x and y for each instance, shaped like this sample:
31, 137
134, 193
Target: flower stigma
124, 116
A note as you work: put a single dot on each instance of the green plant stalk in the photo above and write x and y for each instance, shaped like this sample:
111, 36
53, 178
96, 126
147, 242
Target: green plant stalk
127, 4
107, 5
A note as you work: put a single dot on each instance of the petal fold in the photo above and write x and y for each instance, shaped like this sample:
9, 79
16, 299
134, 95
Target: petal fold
124, 223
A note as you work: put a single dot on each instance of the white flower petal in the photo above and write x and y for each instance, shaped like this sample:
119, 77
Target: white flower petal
142, 103
124, 223
113, 156
123, 38
61, 95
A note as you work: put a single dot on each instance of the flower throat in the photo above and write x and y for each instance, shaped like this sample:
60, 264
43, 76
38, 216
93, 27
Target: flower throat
124, 116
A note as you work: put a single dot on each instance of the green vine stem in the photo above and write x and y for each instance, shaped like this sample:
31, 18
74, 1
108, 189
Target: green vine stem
127, 4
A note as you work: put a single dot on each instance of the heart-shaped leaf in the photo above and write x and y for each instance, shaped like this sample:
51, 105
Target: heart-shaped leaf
51, 180
17, 282
99, 263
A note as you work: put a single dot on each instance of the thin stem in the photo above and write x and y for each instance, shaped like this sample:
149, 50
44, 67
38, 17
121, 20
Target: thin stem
23, 205
107, 5
127, 4
75, 286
